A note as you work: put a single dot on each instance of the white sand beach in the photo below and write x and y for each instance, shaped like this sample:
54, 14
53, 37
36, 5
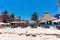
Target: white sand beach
29, 34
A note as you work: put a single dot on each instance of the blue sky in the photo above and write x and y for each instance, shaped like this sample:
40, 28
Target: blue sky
25, 8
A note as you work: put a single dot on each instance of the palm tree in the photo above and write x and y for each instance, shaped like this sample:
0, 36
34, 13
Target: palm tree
34, 16
5, 16
12, 17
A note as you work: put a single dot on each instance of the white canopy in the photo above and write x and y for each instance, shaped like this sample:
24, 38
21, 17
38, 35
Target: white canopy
22, 22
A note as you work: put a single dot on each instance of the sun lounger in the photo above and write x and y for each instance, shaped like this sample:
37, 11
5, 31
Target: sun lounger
34, 26
58, 27
24, 26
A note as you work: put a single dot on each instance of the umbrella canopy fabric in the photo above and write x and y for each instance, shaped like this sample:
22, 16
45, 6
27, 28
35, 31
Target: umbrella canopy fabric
42, 21
58, 20
18, 22
4, 23
14, 22
47, 17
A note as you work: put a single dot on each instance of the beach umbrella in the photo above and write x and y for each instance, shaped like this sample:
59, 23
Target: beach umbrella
47, 17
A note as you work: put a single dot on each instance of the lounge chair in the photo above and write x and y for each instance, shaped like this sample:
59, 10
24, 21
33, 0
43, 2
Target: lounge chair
47, 27
58, 27
34, 26
24, 26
